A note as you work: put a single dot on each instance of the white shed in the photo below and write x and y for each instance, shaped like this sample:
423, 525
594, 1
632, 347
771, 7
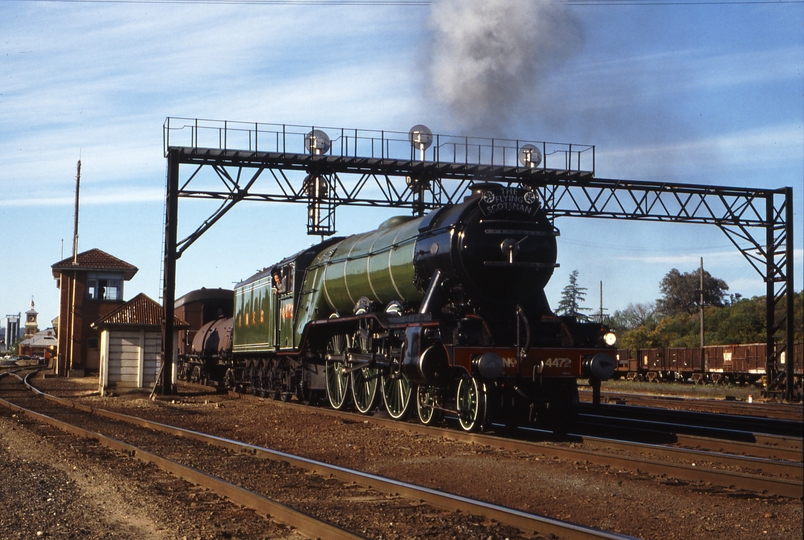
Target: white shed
131, 345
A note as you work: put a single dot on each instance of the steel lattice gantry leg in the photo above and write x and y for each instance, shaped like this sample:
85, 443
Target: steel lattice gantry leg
780, 296
169, 269
791, 296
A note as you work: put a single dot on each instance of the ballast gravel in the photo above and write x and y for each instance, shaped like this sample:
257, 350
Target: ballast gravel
51, 488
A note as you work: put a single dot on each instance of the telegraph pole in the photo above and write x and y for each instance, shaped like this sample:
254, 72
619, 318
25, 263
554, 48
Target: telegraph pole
601, 302
68, 357
75, 220
701, 303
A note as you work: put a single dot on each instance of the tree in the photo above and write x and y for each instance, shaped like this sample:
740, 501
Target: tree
642, 337
572, 297
633, 316
740, 322
681, 292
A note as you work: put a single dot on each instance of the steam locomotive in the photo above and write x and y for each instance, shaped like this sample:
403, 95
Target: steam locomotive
440, 314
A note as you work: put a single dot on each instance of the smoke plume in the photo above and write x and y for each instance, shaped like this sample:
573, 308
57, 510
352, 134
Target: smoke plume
488, 57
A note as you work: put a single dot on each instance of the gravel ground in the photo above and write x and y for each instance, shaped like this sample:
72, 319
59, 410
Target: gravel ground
626, 502
57, 486
356, 508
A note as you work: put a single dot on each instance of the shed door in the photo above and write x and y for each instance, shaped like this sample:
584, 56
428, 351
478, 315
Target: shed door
92, 355
152, 357
124, 356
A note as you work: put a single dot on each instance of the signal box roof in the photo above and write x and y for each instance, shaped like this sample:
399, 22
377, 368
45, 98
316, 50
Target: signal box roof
139, 311
95, 260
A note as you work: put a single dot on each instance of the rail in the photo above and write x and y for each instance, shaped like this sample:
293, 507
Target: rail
307, 524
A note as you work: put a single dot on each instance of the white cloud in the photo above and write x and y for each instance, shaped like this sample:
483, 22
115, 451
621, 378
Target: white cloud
100, 83
685, 259
779, 146
685, 70
102, 198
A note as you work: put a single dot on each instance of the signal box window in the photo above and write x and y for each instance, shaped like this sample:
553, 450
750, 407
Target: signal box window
104, 287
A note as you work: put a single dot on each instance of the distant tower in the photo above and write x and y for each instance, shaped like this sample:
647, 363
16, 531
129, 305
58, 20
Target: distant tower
12, 329
31, 326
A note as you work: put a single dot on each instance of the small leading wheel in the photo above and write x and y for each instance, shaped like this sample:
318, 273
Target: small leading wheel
397, 393
426, 401
470, 401
337, 381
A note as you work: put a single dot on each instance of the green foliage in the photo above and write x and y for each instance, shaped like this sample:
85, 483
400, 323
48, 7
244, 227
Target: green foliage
675, 320
681, 293
572, 297
740, 322
643, 337
682, 330
635, 326
633, 316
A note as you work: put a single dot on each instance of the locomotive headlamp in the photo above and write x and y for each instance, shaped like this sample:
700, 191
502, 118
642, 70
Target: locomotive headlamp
610, 338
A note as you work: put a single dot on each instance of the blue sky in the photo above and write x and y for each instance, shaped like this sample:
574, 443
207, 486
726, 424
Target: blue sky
709, 93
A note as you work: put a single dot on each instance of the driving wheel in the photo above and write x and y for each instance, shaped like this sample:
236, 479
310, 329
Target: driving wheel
397, 392
337, 381
366, 379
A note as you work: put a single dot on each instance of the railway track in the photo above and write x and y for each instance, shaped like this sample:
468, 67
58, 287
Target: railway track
230, 468
692, 422
727, 442
771, 465
785, 478
768, 437
763, 475
735, 464
673, 432
779, 411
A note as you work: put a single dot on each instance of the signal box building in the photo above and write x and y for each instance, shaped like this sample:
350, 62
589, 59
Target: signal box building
90, 288
131, 344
